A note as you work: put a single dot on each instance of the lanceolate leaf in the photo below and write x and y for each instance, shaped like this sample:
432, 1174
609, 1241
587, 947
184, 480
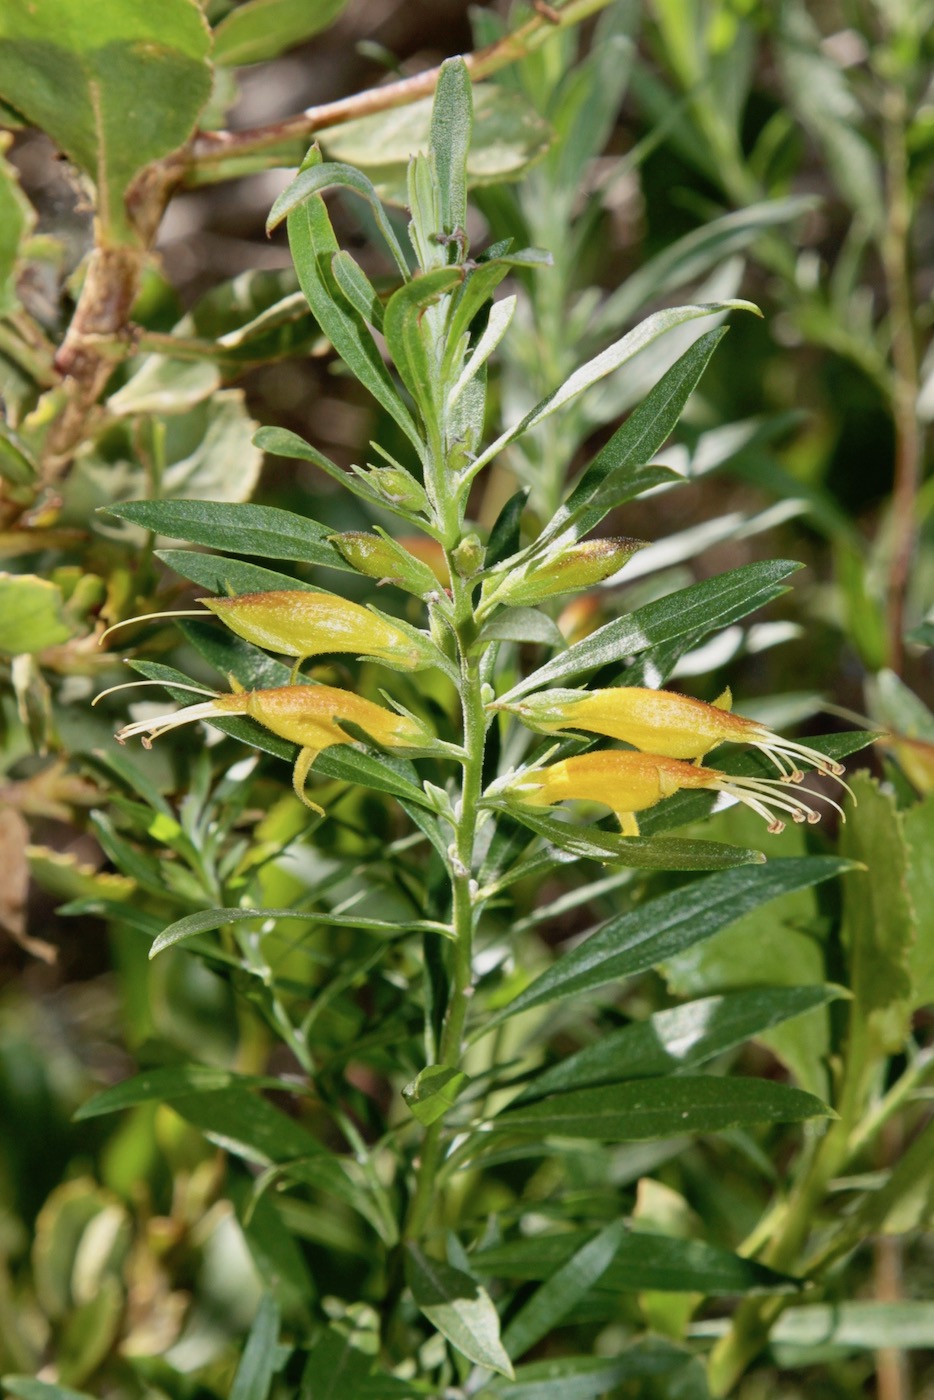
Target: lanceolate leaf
169, 1082
405, 334
260, 1360
667, 925
636, 442
592, 843
572, 1280
216, 918
640, 1260
603, 364
237, 529
460, 1309
226, 576
635, 1111
324, 175
700, 609
678, 1039
261, 29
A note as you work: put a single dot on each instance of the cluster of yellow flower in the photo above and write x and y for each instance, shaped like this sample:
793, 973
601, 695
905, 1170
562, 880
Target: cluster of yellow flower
669, 734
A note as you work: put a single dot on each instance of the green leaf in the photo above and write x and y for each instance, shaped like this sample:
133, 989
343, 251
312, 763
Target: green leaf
262, 29
451, 125
641, 1260
433, 1092
115, 86
31, 614
700, 609
641, 853
605, 363
260, 1359
405, 334
27, 1388
588, 1377
878, 928
522, 625
166, 1083
17, 217
227, 577
459, 1308
357, 288
508, 135
237, 529
678, 1039
504, 536
16, 461
918, 830
282, 443
664, 926
336, 1369
224, 465
313, 245
605, 482
638, 1110
206, 919
571, 1281
164, 385
324, 175
851, 1326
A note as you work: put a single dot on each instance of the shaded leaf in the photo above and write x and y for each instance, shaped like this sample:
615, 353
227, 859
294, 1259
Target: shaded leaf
262, 29
459, 1308
260, 1359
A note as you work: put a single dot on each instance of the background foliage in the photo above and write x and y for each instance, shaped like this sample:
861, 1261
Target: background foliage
208, 1155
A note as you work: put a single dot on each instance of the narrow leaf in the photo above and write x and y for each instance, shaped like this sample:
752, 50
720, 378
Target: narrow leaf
636, 1111
702, 608
638, 852
659, 929
328, 175
570, 1282
260, 1360
237, 529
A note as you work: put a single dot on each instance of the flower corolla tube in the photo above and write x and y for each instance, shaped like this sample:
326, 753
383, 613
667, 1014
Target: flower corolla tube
663, 722
300, 622
629, 782
311, 716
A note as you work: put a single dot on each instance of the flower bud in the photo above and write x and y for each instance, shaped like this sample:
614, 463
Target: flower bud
297, 622
628, 782
468, 556
576, 567
386, 560
398, 487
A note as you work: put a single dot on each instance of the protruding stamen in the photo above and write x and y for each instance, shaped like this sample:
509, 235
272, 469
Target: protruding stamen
130, 685
150, 617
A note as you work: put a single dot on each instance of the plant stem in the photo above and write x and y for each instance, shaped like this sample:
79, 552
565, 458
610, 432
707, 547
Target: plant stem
463, 895
211, 147
908, 441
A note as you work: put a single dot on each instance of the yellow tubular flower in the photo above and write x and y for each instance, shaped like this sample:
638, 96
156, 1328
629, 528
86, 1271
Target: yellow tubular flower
308, 715
662, 722
628, 782
301, 623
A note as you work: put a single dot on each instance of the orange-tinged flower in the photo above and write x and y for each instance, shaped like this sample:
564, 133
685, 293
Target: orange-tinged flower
628, 782
662, 722
311, 716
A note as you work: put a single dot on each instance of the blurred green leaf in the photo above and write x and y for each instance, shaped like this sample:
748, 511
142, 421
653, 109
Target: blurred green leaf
460, 1309
114, 86
260, 1359
262, 29
678, 1039
169, 1082
433, 1092
640, 1260
31, 614
572, 1280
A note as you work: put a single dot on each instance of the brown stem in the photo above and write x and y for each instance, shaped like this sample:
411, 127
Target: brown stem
908, 439
210, 147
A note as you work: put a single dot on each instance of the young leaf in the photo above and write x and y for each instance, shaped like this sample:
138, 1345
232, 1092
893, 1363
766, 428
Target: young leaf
357, 288
634, 942
319, 176
522, 625
451, 124
404, 329
635, 1111
459, 1308
433, 1092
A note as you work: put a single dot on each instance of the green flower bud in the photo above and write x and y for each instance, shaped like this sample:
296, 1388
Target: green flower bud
576, 567
384, 559
398, 487
468, 556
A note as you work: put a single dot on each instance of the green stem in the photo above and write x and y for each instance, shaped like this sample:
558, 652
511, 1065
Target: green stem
463, 897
